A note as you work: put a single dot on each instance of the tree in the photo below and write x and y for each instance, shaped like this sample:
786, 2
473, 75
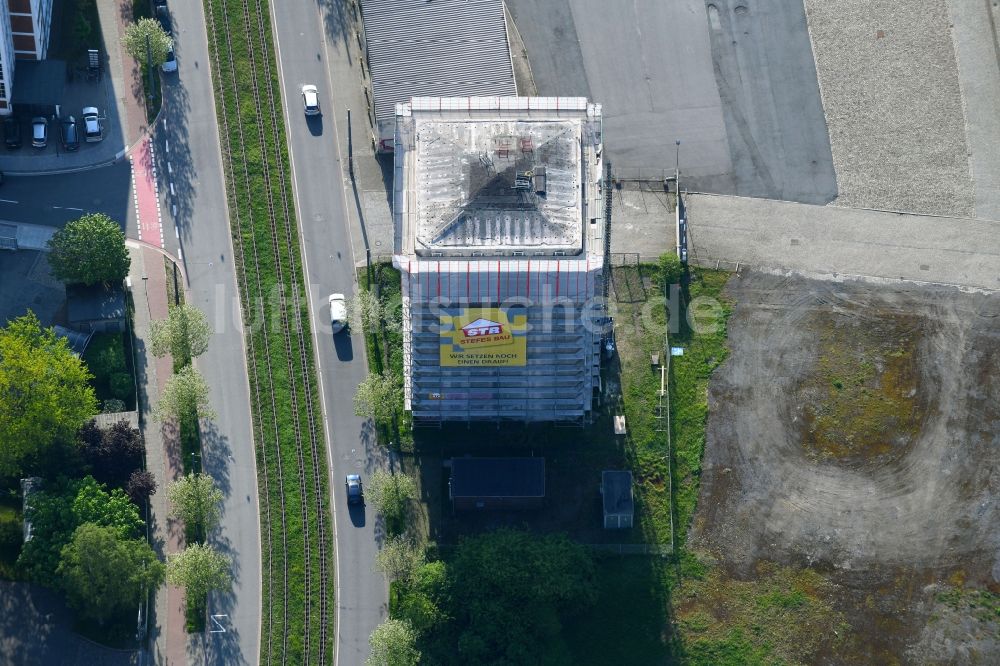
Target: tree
184, 334
44, 394
141, 486
135, 40
425, 598
364, 311
671, 268
94, 504
399, 558
391, 494
112, 454
378, 397
197, 502
89, 250
393, 643
511, 590
54, 514
199, 569
104, 575
186, 393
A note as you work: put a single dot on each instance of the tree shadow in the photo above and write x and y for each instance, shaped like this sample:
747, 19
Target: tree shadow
176, 165
339, 21
216, 455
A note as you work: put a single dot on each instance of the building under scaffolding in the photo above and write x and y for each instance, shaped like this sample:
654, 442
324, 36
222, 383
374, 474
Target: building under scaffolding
499, 220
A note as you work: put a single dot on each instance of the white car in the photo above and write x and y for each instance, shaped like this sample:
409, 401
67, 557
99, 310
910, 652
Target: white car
338, 312
310, 100
170, 64
92, 130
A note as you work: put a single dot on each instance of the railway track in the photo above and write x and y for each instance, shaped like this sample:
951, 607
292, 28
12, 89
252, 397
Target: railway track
284, 250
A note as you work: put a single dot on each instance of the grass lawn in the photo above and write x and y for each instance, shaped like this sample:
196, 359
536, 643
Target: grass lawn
629, 621
255, 157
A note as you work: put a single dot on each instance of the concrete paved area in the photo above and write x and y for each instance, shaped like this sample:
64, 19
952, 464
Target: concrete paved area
35, 629
832, 241
974, 34
26, 283
735, 85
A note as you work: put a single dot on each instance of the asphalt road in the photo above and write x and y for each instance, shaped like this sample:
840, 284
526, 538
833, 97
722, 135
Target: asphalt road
735, 84
188, 154
58, 199
321, 194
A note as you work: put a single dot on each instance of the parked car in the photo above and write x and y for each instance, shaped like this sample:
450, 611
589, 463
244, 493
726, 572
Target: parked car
338, 312
92, 130
170, 64
70, 134
310, 100
39, 132
163, 16
355, 493
12, 132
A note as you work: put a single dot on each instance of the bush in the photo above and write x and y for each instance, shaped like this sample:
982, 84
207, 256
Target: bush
120, 384
141, 485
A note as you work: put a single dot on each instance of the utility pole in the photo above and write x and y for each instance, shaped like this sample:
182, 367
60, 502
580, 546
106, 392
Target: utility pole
149, 68
677, 166
350, 146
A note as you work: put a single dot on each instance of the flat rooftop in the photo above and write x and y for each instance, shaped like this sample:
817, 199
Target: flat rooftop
514, 176
501, 184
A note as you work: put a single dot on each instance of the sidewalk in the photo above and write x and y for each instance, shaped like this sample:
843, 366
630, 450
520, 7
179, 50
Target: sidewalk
167, 639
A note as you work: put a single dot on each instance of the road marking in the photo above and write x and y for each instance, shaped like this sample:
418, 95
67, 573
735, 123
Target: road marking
166, 144
8, 201
172, 189
79, 210
177, 234
215, 620
170, 167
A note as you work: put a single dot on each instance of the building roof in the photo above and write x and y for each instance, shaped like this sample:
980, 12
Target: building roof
39, 83
616, 487
95, 302
444, 47
498, 477
516, 176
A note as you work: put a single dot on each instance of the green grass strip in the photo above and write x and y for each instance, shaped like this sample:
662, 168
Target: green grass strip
253, 165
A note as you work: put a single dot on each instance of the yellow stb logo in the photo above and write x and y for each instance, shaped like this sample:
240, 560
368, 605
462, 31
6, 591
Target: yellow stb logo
483, 337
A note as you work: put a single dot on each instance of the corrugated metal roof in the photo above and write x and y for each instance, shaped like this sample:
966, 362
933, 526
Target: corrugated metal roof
436, 48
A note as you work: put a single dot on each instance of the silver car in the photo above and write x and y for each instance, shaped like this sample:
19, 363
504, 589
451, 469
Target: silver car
310, 100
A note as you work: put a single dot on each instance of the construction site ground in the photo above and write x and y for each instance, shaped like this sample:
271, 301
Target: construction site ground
851, 475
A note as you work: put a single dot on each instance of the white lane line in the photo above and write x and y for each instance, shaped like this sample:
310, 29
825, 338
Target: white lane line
172, 189
177, 234
170, 168
166, 144
7, 201
79, 210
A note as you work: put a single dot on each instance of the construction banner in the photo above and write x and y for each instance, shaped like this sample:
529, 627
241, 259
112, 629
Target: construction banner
484, 337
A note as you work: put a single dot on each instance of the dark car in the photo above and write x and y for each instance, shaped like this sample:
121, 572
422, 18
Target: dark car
355, 494
163, 16
70, 134
11, 133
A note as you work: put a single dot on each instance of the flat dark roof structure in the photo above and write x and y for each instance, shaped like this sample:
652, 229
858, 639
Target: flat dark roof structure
39, 84
96, 302
497, 477
619, 506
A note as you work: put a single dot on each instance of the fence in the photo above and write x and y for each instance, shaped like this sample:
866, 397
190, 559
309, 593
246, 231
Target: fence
658, 549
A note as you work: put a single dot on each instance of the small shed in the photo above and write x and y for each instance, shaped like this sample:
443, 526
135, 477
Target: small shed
97, 308
619, 507
497, 483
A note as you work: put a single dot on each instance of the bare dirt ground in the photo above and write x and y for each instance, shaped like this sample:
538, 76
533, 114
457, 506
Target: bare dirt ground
855, 431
